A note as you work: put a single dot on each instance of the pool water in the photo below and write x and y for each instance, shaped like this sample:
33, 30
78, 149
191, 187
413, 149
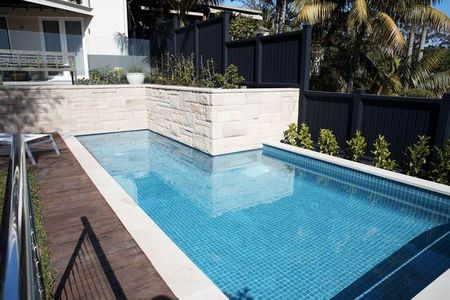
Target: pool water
269, 224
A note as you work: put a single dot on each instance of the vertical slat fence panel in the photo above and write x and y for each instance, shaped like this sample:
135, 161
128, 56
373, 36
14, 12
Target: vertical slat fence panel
399, 119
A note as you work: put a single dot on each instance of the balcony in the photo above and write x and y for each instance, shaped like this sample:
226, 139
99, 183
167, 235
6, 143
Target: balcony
77, 6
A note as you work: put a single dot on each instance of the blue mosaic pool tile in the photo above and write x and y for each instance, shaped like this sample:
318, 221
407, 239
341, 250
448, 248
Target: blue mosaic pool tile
427, 200
271, 225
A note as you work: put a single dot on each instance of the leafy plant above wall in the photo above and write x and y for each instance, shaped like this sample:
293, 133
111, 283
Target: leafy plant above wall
106, 75
327, 142
441, 168
180, 70
242, 27
382, 154
305, 138
231, 78
417, 155
291, 134
356, 146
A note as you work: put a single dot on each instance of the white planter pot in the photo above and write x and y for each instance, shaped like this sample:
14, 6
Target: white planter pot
135, 78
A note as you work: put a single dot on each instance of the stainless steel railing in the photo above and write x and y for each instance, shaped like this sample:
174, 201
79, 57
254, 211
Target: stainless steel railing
20, 269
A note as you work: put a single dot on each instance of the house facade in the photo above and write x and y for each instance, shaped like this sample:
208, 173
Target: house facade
38, 34
94, 30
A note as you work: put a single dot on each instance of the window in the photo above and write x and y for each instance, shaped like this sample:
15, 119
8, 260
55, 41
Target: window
4, 36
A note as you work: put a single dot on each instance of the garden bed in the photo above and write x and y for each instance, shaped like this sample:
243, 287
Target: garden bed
48, 272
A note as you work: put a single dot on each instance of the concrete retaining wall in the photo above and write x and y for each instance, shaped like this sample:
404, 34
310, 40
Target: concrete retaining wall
214, 121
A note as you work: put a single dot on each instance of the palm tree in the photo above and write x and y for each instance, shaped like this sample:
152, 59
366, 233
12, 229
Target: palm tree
394, 76
373, 41
184, 6
363, 25
423, 16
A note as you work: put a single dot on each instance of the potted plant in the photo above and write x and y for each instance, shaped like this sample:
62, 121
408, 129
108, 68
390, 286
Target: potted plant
135, 76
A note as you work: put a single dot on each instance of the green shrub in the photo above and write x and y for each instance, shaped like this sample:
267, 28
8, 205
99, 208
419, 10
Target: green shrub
242, 27
231, 78
441, 168
104, 75
327, 142
209, 77
381, 154
417, 155
305, 138
357, 146
291, 134
174, 70
179, 70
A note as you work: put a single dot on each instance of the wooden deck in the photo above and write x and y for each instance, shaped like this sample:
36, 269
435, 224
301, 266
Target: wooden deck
93, 254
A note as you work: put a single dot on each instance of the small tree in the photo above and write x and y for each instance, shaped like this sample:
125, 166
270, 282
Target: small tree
357, 146
304, 137
441, 169
381, 154
291, 134
327, 142
242, 27
417, 155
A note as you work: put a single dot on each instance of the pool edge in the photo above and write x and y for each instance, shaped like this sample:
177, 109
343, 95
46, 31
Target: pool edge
394, 176
182, 276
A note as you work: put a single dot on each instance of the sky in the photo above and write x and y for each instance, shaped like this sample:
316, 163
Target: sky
444, 5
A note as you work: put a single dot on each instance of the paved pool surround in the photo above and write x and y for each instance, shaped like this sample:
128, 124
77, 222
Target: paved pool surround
215, 121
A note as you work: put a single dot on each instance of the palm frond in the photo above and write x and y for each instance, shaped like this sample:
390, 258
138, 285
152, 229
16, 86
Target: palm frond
388, 34
419, 93
439, 81
421, 71
428, 16
358, 15
315, 13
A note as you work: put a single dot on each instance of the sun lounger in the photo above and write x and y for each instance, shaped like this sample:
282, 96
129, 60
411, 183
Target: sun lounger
31, 140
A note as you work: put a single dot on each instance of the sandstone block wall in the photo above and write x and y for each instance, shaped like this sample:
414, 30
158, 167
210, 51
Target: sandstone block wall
215, 121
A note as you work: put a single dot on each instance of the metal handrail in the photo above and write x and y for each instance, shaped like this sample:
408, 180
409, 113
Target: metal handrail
20, 268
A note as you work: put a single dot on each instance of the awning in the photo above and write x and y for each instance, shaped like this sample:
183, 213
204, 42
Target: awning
65, 5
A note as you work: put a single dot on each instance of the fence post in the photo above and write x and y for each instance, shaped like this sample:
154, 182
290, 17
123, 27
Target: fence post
305, 57
196, 50
356, 111
258, 58
225, 39
443, 122
174, 34
305, 69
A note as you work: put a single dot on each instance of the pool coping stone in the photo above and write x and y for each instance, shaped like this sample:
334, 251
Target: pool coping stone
182, 276
390, 175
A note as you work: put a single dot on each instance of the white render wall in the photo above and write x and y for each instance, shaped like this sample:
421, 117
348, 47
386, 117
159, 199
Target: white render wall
109, 19
215, 121
219, 121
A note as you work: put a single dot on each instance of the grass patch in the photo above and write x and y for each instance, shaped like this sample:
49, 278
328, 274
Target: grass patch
48, 272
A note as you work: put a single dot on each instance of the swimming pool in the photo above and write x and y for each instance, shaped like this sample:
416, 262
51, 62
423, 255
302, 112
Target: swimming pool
270, 224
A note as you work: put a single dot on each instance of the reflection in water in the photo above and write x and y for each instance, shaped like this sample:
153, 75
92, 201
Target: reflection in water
215, 184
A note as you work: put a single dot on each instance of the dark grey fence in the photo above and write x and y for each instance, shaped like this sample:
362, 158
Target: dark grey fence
272, 61
399, 119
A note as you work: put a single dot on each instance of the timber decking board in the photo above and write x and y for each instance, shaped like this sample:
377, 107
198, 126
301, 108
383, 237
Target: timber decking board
93, 254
